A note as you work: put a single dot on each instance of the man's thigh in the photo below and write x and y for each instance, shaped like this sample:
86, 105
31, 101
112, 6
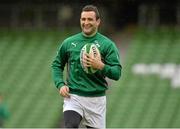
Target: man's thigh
72, 119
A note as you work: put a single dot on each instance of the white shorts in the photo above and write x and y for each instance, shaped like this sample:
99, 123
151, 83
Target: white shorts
92, 109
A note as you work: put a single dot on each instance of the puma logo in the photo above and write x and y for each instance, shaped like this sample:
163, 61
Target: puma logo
74, 44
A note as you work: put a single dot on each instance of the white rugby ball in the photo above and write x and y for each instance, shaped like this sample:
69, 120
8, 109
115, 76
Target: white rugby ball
93, 51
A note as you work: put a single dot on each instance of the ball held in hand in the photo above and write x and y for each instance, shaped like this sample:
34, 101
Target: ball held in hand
93, 51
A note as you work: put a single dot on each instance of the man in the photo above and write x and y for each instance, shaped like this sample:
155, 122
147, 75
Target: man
84, 94
4, 112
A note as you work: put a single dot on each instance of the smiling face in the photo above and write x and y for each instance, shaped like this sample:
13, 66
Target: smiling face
89, 23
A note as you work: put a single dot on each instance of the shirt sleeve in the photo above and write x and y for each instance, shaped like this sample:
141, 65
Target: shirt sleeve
112, 68
58, 65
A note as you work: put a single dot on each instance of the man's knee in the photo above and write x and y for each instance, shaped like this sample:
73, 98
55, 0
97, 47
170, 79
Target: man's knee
70, 124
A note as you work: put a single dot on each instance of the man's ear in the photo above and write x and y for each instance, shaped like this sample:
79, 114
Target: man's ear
98, 21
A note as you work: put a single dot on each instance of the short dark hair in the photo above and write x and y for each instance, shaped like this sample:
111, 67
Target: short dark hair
92, 8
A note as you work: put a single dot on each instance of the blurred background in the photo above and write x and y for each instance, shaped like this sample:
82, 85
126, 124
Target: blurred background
147, 34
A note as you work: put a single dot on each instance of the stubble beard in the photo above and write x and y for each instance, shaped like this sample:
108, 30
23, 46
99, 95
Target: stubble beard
91, 31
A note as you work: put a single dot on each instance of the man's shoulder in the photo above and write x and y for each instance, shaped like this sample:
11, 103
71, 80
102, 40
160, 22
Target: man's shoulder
73, 37
105, 38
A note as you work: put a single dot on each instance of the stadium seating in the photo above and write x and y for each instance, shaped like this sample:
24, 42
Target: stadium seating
25, 78
146, 101
133, 101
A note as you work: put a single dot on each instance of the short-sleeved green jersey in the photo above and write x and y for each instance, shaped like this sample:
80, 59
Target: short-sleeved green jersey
78, 81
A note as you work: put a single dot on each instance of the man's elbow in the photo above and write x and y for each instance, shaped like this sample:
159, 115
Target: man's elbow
114, 73
117, 75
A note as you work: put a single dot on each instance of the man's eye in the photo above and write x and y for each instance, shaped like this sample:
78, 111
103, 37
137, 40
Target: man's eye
90, 19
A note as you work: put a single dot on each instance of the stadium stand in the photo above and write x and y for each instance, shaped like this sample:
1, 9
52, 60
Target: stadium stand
25, 78
133, 101
146, 101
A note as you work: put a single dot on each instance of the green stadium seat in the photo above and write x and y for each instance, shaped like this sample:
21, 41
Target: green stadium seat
147, 101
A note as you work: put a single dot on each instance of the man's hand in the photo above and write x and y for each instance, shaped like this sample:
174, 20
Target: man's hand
95, 63
64, 91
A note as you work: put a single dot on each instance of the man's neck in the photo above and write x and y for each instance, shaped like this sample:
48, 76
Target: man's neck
91, 35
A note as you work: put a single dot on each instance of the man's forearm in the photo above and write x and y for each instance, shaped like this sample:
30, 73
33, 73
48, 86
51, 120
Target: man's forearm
112, 72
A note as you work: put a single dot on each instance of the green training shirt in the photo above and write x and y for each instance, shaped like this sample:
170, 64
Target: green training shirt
78, 81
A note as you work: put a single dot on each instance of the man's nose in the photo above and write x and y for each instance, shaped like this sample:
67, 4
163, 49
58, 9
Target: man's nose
86, 22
